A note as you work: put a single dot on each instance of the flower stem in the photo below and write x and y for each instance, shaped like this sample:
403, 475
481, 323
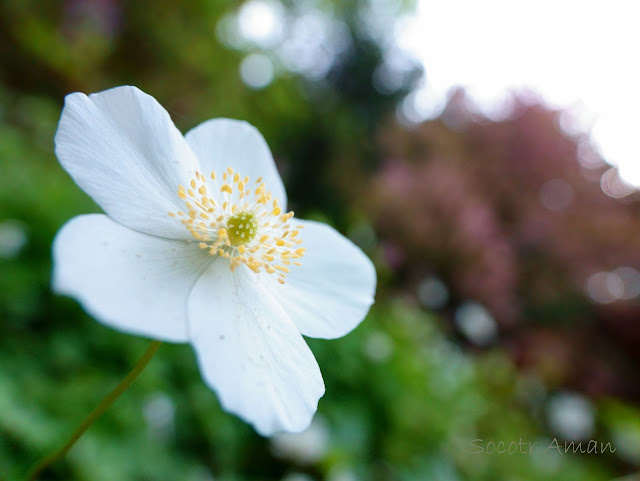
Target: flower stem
95, 414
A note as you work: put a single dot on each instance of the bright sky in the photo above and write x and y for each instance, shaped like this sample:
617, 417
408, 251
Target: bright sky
580, 54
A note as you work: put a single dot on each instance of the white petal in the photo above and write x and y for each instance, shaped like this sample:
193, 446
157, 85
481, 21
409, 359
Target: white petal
251, 353
222, 143
127, 280
330, 294
121, 148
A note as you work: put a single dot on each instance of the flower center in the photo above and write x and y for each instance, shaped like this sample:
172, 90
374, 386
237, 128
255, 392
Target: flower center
240, 221
242, 228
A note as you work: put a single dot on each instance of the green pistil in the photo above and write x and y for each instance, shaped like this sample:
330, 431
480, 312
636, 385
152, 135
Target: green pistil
241, 228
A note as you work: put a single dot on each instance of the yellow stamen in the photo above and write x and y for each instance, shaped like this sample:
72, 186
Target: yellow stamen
245, 226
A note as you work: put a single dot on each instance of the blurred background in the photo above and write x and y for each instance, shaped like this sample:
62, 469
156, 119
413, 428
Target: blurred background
477, 155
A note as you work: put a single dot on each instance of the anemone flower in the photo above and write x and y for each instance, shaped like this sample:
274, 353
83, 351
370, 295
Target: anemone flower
197, 246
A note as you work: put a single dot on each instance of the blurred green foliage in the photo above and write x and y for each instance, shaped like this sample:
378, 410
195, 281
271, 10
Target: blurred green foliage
403, 401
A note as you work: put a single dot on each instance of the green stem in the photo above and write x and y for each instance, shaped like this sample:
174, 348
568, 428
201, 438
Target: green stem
95, 414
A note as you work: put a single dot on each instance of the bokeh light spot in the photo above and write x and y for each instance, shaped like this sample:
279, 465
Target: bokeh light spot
571, 416
256, 71
433, 293
261, 22
476, 323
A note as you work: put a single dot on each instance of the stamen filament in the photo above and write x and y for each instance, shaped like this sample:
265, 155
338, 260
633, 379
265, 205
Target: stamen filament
246, 226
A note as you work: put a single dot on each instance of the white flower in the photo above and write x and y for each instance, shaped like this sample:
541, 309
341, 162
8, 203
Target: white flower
196, 246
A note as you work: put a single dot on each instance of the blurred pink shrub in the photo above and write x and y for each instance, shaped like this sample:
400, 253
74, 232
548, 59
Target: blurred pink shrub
504, 213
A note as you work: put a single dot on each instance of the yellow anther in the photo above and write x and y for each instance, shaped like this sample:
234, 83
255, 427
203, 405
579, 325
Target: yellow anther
247, 226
